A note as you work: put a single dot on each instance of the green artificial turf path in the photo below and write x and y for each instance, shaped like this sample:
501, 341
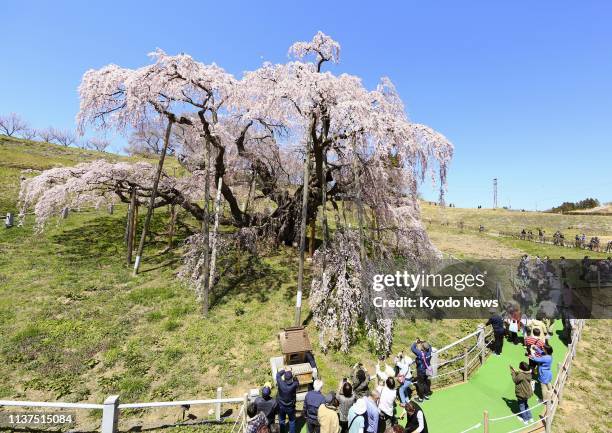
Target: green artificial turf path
457, 408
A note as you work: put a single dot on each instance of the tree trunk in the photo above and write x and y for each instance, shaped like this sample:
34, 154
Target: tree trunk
147, 221
131, 226
304, 222
245, 208
203, 291
312, 238
213, 254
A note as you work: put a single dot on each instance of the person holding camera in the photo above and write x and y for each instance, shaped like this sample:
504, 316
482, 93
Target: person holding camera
422, 352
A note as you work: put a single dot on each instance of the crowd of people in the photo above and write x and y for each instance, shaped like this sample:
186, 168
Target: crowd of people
360, 404
534, 374
558, 238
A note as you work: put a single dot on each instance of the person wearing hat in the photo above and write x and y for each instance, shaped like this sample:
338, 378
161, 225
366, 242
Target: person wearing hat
313, 400
266, 404
357, 418
328, 415
287, 390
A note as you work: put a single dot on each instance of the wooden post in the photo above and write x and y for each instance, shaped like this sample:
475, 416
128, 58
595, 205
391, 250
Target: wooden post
481, 342
300, 284
362, 253
244, 411
485, 421
147, 221
213, 255
131, 226
548, 420
465, 365
218, 405
110, 414
324, 203
435, 361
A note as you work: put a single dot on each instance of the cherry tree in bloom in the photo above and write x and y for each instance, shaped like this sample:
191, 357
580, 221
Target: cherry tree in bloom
260, 128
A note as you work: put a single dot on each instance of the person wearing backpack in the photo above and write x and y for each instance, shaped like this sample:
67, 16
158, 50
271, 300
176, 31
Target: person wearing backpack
357, 418
287, 390
523, 390
257, 422
422, 352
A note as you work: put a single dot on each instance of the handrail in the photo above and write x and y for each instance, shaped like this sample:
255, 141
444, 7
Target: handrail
461, 340
51, 404
178, 403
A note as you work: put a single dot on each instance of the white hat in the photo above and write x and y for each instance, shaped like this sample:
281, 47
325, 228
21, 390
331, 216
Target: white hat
360, 406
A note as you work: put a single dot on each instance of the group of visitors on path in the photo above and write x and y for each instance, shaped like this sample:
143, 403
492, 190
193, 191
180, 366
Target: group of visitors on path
360, 404
534, 374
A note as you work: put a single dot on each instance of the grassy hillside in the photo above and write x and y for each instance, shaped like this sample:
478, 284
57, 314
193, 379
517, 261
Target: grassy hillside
17, 155
76, 326
515, 221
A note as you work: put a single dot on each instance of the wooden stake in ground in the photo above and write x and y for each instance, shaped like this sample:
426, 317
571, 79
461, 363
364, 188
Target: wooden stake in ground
324, 203
362, 253
147, 221
205, 283
213, 253
131, 226
304, 222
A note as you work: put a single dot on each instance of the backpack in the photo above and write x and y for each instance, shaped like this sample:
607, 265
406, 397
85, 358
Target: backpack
264, 428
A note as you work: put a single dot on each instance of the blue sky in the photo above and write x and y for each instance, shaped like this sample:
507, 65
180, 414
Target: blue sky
523, 89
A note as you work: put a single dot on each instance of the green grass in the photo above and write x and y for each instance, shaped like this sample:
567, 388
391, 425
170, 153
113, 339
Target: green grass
76, 326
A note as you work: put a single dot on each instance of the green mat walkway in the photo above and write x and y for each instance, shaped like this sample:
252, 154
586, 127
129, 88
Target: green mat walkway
456, 408
459, 407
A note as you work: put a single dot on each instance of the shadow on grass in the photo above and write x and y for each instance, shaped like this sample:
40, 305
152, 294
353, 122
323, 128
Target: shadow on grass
249, 276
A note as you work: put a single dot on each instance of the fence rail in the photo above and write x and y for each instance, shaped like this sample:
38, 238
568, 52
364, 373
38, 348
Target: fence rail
556, 397
111, 408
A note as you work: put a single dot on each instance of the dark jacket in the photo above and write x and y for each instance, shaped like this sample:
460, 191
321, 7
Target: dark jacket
268, 406
286, 391
312, 401
420, 365
412, 422
522, 384
497, 323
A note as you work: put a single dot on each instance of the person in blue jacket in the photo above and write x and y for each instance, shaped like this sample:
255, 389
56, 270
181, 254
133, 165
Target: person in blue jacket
543, 359
287, 390
497, 323
422, 353
312, 401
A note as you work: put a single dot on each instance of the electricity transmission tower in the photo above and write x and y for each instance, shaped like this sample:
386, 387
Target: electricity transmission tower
495, 193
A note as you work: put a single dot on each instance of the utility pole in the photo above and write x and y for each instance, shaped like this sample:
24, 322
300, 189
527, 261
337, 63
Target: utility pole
495, 193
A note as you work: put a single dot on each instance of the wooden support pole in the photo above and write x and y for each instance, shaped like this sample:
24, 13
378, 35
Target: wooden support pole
147, 221
213, 254
131, 226
303, 223
218, 405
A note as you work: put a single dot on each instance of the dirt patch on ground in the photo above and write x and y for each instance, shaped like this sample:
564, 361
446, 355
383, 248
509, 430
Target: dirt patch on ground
471, 245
